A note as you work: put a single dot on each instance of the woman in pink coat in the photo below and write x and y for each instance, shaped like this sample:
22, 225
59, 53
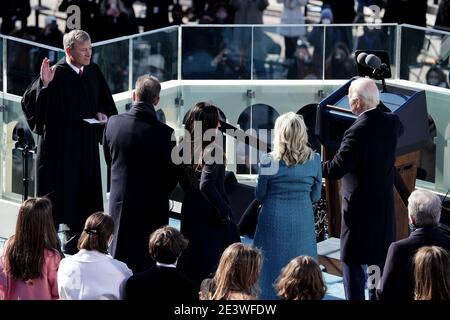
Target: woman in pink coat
30, 259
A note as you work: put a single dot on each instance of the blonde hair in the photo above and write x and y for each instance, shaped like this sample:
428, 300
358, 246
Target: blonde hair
301, 279
431, 274
291, 140
238, 272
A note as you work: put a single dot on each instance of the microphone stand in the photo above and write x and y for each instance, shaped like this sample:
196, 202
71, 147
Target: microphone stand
26, 150
378, 74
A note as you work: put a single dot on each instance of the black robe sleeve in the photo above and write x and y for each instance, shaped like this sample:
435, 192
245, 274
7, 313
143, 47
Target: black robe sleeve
33, 105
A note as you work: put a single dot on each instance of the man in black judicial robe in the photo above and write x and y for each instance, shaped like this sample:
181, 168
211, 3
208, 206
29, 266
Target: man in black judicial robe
138, 148
68, 166
365, 165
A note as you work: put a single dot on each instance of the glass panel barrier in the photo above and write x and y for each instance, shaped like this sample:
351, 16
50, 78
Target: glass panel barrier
113, 60
24, 61
156, 53
342, 41
2, 114
436, 154
216, 52
424, 56
12, 159
288, 52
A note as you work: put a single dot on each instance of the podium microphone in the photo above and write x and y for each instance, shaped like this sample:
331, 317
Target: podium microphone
361, 59
380, 69
375, 63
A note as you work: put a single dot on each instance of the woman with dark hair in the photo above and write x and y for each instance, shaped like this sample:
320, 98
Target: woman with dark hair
301, 279
92, 274
30, 258
206, 215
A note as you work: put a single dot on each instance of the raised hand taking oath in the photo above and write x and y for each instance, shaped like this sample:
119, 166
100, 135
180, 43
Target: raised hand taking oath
47, 73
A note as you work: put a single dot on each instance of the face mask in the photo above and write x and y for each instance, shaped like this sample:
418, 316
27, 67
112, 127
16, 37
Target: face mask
434, 81
339, 56
221, 15
326, 21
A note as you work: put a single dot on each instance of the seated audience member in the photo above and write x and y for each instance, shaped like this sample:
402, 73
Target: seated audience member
436, 77
431, 274
163, 281
236, 277
92, 274
424, 209
301, 279
30, 258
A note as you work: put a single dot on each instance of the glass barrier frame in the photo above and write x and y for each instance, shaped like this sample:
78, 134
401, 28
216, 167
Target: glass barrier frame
177, 89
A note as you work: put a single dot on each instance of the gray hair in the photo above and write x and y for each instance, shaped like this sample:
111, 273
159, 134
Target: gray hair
147, 89
366, 90
425, 207
75, 36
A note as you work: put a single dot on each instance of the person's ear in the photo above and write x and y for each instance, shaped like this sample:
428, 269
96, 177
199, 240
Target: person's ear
68, 52
411, 219
133, 95
156, 101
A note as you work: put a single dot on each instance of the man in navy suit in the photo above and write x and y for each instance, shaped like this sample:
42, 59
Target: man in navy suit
365, 165
163, 282
138, 149
424, 209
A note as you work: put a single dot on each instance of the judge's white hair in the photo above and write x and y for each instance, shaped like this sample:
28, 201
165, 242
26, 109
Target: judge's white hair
73, 36
425, 207
366, 90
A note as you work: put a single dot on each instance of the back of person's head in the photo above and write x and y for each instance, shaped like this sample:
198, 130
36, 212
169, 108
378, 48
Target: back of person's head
366, 91
97, 233
424, 208
74, 36
291, 139
204, 113
147, 89
238, 272
166, 245
301, 279
431, 274
35, 232
326, 16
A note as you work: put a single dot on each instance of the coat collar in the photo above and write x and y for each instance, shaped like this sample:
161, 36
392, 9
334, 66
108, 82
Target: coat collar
90, 256
143, 109
425, 231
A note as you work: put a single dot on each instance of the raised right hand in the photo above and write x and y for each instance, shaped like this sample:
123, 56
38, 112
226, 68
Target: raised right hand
47, 73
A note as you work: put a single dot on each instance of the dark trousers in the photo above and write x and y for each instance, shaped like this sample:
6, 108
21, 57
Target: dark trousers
355, 279
291, 45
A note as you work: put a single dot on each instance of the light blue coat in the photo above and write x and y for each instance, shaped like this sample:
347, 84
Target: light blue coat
285, 227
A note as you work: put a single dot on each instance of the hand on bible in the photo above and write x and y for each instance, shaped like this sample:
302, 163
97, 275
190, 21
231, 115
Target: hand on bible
101, 116
47, 73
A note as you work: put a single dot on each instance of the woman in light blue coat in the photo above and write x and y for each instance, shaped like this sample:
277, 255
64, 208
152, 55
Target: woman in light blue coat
289, 181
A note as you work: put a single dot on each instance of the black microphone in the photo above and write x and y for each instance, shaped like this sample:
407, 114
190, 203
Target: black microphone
361, 59
375, 62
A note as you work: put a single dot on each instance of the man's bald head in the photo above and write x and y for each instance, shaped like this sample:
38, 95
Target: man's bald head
363, 95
